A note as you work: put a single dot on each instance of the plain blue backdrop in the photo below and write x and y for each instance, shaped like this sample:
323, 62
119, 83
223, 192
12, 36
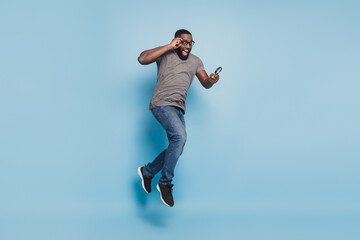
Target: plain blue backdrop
273, 148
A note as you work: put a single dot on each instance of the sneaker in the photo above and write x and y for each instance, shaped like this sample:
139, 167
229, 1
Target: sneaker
166, 194
146, 181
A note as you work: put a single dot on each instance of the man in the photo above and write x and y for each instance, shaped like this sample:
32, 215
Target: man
176, 70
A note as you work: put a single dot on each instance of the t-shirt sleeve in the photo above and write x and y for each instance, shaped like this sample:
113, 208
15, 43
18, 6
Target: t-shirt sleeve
200, 66
159, 59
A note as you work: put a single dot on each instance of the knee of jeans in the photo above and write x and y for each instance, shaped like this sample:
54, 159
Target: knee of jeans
180, 137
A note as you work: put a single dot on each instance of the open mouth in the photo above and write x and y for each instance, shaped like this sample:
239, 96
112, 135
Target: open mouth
185, 52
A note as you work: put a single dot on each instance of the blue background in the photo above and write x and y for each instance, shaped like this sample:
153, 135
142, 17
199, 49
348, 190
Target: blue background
272, 151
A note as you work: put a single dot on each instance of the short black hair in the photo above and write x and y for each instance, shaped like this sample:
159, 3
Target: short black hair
181, 31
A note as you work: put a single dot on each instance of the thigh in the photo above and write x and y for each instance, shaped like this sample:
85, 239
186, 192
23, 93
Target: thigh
170, 119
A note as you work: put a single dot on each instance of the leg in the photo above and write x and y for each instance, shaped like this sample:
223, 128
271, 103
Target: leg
152, 168
172, 119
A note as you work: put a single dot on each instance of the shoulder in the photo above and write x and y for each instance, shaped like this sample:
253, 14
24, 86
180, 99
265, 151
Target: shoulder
169, 55
164, 56
195, 58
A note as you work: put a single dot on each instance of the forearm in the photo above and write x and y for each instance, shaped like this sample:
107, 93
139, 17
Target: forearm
205, 80
207, 84
150, 56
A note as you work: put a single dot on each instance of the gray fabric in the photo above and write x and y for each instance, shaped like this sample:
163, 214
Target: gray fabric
174, 79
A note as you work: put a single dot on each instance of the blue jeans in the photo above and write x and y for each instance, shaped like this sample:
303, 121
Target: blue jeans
172, 120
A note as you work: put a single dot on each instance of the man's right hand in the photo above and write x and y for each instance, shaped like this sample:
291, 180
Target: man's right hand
150, 56
175, 43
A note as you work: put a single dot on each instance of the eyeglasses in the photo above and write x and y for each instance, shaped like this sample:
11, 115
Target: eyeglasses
184, 43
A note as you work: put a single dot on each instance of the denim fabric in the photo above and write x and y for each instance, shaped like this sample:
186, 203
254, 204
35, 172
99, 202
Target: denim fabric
172, 120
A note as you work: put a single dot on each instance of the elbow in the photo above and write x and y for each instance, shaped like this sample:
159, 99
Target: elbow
207, 84
141, 60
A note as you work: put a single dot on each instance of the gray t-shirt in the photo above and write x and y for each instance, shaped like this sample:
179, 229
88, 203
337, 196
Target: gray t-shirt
174, 79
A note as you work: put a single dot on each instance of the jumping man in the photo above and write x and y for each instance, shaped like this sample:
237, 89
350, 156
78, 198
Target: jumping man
176, 70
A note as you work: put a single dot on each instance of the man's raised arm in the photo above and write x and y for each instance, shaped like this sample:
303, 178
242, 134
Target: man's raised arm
150, 56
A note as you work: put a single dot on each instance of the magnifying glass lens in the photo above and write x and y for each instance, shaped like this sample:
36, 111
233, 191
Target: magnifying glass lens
218, 70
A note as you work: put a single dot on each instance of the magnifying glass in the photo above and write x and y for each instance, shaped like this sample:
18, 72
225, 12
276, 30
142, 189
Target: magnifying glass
218, 70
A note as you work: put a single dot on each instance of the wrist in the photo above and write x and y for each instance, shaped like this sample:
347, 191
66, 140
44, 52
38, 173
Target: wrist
169, 47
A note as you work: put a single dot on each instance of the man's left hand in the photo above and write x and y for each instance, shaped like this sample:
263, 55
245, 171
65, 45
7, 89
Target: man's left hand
214, 78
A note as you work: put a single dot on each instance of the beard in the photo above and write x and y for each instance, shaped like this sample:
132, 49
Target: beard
181, 56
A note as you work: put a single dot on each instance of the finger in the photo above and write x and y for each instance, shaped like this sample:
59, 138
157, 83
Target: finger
177, 40
175, 43
214, 78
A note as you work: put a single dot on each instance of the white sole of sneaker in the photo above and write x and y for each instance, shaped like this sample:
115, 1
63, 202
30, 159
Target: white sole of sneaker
158, 188
142, 179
